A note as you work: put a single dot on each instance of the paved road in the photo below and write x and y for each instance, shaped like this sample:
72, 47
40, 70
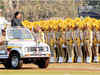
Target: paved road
55, 69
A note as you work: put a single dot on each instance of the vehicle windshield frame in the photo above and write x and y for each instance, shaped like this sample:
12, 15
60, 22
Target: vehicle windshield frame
13, 34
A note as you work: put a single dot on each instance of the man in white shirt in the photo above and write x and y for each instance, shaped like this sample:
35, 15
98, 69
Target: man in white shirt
3, 21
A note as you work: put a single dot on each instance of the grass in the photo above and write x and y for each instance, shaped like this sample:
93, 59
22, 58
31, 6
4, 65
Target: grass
49, 73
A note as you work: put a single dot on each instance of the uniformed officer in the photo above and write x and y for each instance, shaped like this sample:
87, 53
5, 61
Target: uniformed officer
77, 46
63, 43
81, 28
59, 45
39, 34
69, 43
56, 46
94, 42
96, 39
88, 42
67, 40
80, 42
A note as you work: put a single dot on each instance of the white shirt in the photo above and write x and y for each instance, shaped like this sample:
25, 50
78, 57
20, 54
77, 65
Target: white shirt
3, 22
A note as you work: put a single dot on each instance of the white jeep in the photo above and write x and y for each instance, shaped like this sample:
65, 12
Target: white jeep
21, 47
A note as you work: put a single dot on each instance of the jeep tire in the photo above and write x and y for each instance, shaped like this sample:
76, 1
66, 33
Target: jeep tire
15, 62
43, 63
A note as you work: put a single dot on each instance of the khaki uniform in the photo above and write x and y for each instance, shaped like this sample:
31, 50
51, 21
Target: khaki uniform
69, 45
77, 46
45, 37
82, 45
94, 44
58, 45
63, 44
96, 40
88, 44
67, 39
39, 36
51, 40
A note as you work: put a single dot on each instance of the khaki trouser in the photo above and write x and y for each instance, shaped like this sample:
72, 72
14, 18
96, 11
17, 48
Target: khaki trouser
70, 50
87, 47
58, 50
65, 54
84, 53
95, 50
77, 50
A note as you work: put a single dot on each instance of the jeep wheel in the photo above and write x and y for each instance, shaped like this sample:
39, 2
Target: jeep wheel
43, 63
15, 61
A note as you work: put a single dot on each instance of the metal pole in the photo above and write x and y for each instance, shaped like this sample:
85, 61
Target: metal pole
74, 9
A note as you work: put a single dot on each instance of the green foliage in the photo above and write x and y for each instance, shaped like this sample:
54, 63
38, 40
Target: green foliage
1, 7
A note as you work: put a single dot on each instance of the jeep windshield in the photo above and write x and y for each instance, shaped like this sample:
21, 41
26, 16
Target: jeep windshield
19, 33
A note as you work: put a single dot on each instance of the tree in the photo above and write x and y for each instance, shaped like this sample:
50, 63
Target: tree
40, 9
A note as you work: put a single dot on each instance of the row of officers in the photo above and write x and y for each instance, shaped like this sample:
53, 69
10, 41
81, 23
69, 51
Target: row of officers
75, 44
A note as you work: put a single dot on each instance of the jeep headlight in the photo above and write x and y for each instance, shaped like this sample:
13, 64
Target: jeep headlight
25, 49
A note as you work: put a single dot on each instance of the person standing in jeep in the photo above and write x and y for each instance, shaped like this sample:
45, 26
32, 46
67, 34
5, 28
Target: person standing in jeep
16, 21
